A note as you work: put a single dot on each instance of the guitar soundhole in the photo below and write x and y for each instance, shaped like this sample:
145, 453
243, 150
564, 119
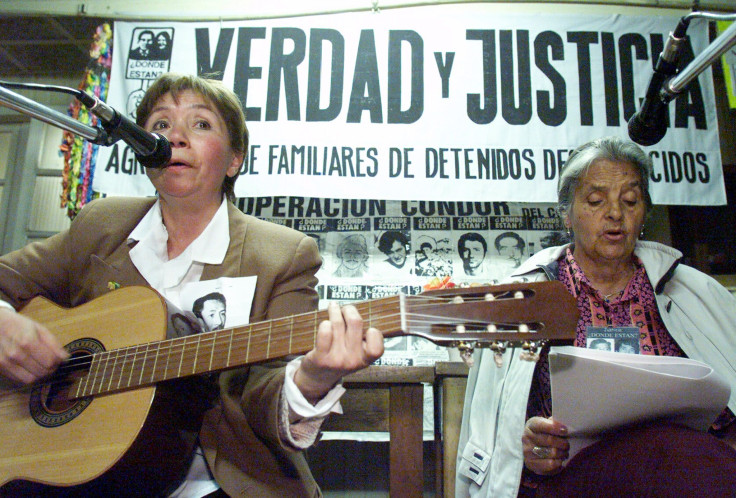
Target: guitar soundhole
52, 403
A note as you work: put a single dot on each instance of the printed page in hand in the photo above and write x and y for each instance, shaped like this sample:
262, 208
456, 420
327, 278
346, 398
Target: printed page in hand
595, 391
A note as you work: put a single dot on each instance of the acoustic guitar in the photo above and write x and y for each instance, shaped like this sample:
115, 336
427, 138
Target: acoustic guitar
98, 426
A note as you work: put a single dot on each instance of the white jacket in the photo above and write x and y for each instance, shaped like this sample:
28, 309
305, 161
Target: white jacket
698, 312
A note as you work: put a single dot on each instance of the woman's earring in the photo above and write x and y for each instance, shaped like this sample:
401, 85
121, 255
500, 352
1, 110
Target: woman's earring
641, 234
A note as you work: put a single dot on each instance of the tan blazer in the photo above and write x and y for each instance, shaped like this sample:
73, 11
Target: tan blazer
240, 433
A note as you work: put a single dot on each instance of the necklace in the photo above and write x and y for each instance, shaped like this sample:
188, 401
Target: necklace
612, 294
629, 275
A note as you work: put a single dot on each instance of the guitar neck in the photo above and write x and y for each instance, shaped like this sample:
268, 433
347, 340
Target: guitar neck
147, 364
521, 313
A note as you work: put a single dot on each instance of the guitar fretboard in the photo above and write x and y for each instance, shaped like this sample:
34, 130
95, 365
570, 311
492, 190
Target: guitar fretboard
147, 364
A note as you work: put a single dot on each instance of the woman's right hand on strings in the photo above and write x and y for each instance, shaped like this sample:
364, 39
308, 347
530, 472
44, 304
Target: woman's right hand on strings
28, 351
545, 445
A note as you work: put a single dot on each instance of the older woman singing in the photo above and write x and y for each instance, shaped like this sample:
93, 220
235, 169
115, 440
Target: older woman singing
510, 444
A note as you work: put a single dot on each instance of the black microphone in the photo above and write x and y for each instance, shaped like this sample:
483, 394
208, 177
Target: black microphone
649, 125
151, 149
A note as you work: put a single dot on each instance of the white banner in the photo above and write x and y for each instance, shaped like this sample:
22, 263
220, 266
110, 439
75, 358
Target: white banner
441, 103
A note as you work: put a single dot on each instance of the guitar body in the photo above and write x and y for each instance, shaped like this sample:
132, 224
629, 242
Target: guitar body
49, 444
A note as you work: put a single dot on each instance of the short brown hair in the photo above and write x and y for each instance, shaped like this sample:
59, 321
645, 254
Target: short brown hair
225, 100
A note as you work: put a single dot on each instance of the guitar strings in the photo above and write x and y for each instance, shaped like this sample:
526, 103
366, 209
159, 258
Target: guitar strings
255, 333
239, 346
254, 337
137, 350
124, 359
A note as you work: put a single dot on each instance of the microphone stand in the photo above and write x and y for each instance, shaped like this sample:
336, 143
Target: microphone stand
151, 149
55, 118
675, 85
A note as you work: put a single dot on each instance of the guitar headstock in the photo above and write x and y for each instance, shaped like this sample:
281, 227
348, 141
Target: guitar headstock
519, 314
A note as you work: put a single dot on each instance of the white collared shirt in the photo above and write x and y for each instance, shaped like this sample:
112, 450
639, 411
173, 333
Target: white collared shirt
151, 258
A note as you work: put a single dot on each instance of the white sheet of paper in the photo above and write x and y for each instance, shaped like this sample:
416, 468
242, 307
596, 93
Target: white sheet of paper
597, 391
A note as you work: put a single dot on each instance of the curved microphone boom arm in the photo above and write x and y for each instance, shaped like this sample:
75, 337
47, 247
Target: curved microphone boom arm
649, 125
50, 116
708, 56
151, 149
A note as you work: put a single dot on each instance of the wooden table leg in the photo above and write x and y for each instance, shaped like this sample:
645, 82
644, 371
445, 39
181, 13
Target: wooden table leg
453, 393
406, 405
449, 395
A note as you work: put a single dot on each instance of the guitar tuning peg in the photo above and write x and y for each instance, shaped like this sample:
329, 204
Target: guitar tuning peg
498, 359
530, 352
535, 346
498, 348
466, 353
529, 356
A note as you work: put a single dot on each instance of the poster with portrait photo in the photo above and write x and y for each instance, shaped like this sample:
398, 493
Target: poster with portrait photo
506, 251
433, 253
472, 261
351, 258
551, 238
599, 343
318, 229
149, 54
220, 303
507, 246
393, 260
616, 339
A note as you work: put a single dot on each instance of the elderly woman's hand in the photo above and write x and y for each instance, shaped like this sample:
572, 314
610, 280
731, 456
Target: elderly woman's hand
342, 347
545, 445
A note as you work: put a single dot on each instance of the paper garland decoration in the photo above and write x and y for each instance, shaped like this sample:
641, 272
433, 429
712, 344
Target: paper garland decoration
80, 155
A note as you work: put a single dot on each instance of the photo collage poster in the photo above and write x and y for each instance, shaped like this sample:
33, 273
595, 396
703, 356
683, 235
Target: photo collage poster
373, 249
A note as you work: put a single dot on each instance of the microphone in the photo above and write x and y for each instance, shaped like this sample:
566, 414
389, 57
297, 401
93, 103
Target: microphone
151, 149
649, 125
